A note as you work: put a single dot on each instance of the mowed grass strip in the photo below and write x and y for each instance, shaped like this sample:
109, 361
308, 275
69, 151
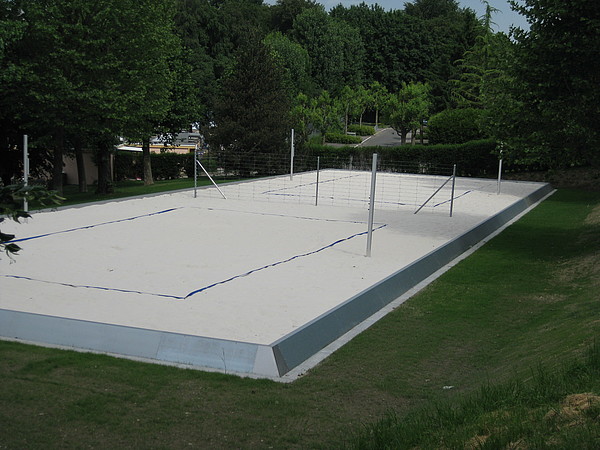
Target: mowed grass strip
526, 298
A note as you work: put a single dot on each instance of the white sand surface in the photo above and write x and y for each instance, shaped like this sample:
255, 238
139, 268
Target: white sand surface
237, 269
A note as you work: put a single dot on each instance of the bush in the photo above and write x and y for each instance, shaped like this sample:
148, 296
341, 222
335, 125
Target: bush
128, 166
474, 158
165, 166
363, 130
338, 138
455, 126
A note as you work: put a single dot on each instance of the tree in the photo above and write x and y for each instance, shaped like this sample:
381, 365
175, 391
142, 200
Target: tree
284, 12
253, 113
379, 94
293, 59
406, 109
350, 103
398, 47
11, 207
325, 113
557, 73
335, 49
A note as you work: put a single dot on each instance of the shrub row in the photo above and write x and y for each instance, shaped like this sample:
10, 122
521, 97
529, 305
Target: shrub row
165, 166
339, 138
474, 158
363, 130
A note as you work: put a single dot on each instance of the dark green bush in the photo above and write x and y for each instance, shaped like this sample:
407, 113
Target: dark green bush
474, 158
128, 166
165, 166
338, 138
363, 130
455, 126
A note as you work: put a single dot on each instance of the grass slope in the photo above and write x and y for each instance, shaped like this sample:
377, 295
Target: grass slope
526, 298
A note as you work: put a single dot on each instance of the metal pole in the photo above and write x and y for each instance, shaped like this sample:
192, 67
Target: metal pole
292, 158
452, 194
25, 169
317, 187
195, 171
372, 205
499, 172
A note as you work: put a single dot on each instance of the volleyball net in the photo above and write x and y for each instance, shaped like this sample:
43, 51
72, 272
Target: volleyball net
335, 181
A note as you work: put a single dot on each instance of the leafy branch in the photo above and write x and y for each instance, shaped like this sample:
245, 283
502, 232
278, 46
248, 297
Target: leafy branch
11, 207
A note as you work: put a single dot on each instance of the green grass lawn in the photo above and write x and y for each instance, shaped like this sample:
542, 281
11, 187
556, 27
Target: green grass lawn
523, 308
130, 188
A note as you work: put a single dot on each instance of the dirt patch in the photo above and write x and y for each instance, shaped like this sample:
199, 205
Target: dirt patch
572, 410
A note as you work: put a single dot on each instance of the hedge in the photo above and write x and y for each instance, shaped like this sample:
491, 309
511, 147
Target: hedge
165, 166
363, 130
474, 158
455, 126
338, 138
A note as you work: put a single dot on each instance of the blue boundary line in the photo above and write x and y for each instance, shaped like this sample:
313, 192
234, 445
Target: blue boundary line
95, 225
197, 291
205, 288
100, 288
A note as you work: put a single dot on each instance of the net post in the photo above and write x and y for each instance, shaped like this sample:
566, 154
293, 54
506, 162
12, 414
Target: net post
317, 184
499, 172
195, 171
452, 193
25, 168
292, 158
372, 205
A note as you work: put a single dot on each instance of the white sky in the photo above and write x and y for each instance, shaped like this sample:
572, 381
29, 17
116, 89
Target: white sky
504, 19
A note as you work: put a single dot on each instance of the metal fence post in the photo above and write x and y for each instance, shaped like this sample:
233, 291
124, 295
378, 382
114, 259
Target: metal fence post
372, 205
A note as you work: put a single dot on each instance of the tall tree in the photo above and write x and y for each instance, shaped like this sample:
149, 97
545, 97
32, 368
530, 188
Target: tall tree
253, 113
557, 70
406, 109
294, 60
335, 48
284, 12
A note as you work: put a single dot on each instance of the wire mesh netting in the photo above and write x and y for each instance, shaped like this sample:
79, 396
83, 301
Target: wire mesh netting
336, 181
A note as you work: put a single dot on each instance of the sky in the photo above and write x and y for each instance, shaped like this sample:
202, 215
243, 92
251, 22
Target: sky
504, 19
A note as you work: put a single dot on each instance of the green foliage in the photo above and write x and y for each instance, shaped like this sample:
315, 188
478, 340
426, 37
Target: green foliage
252, 114
361, 130
406, 110
293, 59
11, 207
555, 70
335, 48
165, 166
474, 158
455, 126
340, 138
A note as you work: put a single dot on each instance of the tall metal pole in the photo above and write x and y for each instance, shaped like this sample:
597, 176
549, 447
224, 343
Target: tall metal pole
292, 158
317, 186
372, 205
452, 193
195, 171
499, 172
25, 168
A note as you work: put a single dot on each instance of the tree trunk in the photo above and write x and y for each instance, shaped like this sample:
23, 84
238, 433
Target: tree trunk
105, 185
146, 162
57, 162
376, 118
403, 133
81, 175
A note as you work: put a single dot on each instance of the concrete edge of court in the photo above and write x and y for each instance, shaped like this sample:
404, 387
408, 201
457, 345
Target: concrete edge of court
287, 358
